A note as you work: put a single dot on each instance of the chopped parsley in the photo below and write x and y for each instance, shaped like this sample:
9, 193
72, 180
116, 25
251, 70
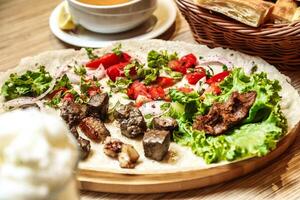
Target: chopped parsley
90, 53
29, 84
80, 70
117, 50
160, 59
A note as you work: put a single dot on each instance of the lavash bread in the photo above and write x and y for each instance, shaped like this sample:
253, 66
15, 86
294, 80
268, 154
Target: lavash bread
252, 13
184, 159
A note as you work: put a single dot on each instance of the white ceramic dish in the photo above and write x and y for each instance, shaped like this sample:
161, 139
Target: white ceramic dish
160, 21
111, 19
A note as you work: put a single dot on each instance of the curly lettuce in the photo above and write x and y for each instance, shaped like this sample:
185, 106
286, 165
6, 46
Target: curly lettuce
256, 136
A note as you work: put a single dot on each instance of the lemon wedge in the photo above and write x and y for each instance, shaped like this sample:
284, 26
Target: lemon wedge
65, 21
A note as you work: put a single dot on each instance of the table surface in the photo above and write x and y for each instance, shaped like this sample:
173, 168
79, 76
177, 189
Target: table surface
24, 31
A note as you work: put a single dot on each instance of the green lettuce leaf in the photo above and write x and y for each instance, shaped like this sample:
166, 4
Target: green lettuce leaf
256, 136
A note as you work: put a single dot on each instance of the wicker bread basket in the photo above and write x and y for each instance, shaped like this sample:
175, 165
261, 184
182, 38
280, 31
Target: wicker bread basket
279, 44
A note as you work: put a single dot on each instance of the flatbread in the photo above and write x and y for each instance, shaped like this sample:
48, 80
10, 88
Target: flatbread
181, 158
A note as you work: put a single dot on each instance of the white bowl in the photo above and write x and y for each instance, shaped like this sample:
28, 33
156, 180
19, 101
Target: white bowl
111, 19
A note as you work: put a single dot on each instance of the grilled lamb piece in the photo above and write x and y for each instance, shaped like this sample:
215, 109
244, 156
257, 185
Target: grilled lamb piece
85, 148
128, 156
165, 123
132, 122
222, 116
72, 112
94, 129
112, 147
98, 106
156, 144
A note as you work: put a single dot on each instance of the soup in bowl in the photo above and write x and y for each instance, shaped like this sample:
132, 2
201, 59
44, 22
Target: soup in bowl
115, 17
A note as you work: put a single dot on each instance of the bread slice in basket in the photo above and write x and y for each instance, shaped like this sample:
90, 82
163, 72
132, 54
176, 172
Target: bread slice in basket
252, 13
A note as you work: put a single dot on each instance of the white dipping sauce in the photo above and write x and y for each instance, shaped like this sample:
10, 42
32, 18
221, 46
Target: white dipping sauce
38, 156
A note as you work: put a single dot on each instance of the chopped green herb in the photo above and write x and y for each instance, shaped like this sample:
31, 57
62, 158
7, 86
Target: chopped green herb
30, 84
134, 64
64, 82
160, 59
201, 57
90, 53
120, 85
80, 70
117, 50
254, 69
225, 68
150, 75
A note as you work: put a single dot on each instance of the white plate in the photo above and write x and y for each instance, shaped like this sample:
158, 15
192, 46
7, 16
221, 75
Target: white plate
162, 19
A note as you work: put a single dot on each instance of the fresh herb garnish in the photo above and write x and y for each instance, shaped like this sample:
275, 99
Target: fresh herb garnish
225, 68
120, 85
30, 84
160, 59
254, 69
64, 82
90, 53
117, 50
80, 70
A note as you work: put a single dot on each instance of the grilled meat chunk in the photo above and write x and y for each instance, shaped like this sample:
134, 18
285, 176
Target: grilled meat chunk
85, 148
222, 116
74, 131
112, 147
128, 156
72, 112
165, 123
94, 129
132, 122
156, 144
98, 106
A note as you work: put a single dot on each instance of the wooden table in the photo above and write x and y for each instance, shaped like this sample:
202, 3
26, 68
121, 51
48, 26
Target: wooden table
24, 31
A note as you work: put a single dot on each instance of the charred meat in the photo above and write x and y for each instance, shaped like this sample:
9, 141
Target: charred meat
222, 116
94, 129
132, 122
74, 131
156, 144
72, 112
165, 123
128, 156
85, 148
112, 147
98, 106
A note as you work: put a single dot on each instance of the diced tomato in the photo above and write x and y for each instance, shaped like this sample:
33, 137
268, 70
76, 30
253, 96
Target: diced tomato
194, 77
92, 91
140, 100
215, 88
183, 64
156, 92
108, 60
185, 89
52, 94
175, 65
199, 69
68, 97
116, 71
218, 77
165, 82
125, 57
188, 60
137, 88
